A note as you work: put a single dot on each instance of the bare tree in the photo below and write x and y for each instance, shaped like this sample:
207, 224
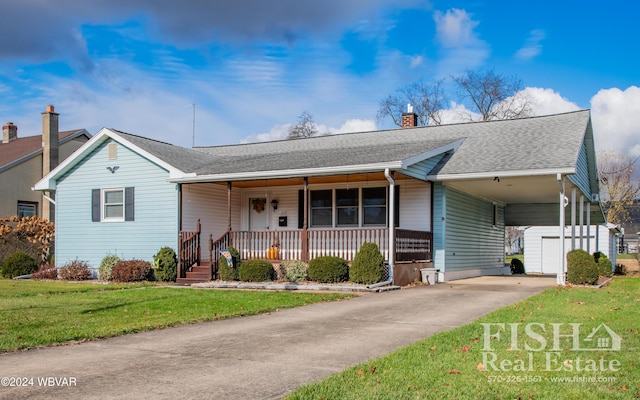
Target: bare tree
619, 185
304, 128
428, 101
493, 96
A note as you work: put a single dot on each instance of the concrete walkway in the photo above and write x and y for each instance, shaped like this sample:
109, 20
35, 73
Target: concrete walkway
258, 357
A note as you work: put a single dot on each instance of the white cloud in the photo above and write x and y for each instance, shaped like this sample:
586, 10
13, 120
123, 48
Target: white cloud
354, 125
532, 47
280, 132
416, 61
462, 48
547, 101
458, 113
454, 28
616, 120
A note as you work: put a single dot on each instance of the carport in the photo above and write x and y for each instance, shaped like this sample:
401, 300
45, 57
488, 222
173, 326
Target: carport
550, 185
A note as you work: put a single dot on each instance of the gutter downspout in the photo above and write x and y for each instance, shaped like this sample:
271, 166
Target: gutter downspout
392, 223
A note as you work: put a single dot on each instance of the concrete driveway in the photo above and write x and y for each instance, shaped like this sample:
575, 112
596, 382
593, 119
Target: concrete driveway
258, 357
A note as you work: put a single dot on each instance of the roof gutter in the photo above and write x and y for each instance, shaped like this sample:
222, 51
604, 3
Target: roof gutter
501, 174
288, 173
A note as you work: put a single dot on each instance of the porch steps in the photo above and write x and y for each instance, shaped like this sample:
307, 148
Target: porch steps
198, 274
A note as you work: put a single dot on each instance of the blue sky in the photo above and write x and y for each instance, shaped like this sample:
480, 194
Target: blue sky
252, 66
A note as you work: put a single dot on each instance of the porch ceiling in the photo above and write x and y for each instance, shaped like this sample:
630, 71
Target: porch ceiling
514, 190
530, 200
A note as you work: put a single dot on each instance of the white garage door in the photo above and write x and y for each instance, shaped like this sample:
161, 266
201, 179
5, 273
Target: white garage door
551, 250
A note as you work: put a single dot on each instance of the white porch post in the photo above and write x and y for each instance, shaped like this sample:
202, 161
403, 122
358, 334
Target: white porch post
560, 277
581, 222
392, 223
589, 228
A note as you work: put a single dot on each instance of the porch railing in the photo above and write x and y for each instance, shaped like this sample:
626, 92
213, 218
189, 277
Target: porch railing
344, 243
223, 242
413, 245
410, 245
253, 245
188, 250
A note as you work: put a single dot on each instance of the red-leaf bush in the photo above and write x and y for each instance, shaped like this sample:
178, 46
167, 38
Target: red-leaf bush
46, 271
75, 271
131, 271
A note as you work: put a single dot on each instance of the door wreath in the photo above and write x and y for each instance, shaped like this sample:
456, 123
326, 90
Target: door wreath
258, 205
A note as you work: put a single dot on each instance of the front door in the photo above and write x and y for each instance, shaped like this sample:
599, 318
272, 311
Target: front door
258, 211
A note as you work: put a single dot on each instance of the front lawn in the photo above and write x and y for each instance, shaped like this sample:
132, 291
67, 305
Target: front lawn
461, 364
36, 313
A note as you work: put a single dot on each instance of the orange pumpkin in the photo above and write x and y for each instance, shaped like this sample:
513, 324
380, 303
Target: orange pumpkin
272, 253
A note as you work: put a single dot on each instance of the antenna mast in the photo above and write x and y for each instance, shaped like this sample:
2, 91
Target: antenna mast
193, 144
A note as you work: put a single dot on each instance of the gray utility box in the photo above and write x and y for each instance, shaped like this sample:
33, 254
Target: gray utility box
429, 275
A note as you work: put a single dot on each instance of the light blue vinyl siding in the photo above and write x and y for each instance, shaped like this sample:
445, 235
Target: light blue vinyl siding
439, 225
581, 177
421, 169
464, 235
156, 209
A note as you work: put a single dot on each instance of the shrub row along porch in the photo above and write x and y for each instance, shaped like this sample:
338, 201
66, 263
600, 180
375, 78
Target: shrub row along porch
304, 245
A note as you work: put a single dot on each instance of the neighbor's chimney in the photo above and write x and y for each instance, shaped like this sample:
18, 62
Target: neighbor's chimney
409, 119
49, 154
9, 132
49, 140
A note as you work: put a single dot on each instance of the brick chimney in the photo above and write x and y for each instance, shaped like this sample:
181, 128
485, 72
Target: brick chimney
409, 119
9, 132
50, 151
49, 140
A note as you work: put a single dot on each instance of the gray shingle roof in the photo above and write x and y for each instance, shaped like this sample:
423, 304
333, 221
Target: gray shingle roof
547, 142
184, 159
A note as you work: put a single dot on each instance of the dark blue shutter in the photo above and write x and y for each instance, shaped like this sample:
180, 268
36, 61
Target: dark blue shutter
300, 209
95, 205
129, 201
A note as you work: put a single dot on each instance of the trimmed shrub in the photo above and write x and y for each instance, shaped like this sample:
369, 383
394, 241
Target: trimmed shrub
75, 271
517, 267
106, 265
132, 271
256, 271
581, 268
227, 273
604, 266
294, 270
368, 265
327, 269
46, 271
18, 264
166, 264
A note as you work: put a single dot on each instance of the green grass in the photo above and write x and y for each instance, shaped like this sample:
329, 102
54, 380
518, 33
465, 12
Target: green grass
449, 365
44, 313
510, 257
629, 256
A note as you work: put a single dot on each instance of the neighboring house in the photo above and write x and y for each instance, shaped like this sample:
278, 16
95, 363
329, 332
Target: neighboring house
542, 245
25, 160
437, 195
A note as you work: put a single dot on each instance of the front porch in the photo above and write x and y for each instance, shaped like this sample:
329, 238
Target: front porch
302, 244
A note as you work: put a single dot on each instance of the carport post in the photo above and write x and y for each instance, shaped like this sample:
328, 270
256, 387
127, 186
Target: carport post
589, 228
573, 218
581, 222
560, 277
